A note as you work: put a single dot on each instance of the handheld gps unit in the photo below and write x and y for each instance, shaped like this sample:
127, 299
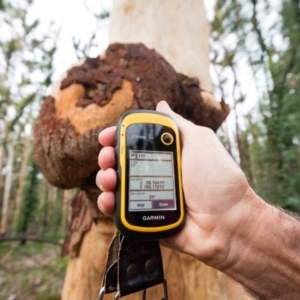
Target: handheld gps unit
149, 196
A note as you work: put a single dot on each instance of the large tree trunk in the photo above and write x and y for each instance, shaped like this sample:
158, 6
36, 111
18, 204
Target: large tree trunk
178, 30
187, 278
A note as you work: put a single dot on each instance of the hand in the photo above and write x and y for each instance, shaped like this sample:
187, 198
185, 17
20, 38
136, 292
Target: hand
217, 194
227, 225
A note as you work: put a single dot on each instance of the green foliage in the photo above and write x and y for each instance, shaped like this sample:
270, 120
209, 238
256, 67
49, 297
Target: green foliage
30, 198
26, 63
270, 141
282, 130
26, 70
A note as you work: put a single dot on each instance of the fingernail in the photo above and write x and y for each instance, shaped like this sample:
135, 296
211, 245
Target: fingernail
100, 206
98, 180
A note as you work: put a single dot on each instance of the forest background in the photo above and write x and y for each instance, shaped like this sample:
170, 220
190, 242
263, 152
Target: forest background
255, 63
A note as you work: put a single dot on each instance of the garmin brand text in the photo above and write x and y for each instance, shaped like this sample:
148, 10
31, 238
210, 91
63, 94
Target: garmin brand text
149, 218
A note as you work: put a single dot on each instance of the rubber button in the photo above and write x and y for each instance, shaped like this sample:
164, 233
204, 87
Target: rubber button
167, 138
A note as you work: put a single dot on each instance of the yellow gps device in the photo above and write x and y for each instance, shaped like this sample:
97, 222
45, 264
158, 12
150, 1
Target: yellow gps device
149, 195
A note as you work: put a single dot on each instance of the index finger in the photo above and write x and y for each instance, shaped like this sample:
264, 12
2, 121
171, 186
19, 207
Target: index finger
107, 136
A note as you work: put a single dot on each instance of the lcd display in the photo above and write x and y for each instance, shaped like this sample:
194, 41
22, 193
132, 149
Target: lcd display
151, 181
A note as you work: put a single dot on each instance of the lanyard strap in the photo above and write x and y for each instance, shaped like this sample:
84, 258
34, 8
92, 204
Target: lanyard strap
132, 265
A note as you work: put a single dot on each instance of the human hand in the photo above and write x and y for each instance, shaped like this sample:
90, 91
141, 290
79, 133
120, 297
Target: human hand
217, 194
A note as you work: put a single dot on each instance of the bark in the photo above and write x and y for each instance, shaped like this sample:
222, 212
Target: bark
81, 222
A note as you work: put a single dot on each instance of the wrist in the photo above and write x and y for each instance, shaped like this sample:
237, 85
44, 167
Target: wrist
237, 228
217, 238
263, 254
243, 224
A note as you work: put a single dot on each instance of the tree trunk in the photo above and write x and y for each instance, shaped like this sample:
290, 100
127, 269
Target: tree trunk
187, 278
44, 205
53, 199
22, 175
67, 197
7, 187
179, 31
2, 152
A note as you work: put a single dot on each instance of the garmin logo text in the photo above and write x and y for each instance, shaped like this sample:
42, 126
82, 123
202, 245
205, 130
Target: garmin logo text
149, 218
139, 137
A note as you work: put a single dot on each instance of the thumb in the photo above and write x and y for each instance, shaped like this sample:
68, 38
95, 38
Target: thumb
182, 123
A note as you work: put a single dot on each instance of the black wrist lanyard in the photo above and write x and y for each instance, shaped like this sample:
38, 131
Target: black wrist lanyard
132, 265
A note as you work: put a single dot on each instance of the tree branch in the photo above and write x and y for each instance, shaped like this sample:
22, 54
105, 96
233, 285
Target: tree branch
293, 52
258, 31
25, 238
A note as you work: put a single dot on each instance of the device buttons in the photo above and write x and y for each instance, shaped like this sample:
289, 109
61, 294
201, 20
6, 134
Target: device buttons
167, 138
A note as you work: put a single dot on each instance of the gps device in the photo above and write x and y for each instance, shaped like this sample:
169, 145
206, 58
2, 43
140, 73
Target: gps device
149, 196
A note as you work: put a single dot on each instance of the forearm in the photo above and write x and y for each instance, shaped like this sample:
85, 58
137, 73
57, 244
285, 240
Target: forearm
265, 253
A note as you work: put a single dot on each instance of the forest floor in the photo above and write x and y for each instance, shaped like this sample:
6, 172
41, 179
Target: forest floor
33, 271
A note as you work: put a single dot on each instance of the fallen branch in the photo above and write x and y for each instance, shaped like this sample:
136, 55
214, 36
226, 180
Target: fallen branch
24, 239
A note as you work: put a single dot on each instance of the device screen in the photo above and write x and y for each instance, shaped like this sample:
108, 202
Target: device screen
151, 181
151, 187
